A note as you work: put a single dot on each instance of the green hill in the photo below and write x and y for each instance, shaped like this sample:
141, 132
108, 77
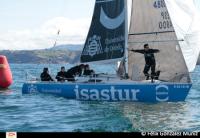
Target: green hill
42, 56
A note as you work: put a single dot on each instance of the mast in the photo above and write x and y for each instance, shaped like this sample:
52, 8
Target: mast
126, 37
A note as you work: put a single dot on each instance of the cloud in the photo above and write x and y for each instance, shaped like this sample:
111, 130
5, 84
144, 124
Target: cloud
72, 31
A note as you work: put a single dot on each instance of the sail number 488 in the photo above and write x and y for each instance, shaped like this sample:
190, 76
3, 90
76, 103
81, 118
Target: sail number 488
159, 4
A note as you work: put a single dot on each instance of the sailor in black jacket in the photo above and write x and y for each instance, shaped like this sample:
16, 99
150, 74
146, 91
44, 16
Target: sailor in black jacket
74, 71
45, 75
149, 59
61, 76
88, 71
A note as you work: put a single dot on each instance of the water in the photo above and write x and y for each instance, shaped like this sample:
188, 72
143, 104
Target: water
47, 113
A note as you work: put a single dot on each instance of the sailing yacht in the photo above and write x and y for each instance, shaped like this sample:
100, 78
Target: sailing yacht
153, 22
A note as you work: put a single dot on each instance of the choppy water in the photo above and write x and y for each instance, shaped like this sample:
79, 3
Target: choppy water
47, 113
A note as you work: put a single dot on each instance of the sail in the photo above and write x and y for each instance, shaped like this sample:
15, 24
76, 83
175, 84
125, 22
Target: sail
185, 16
151, 24
106, 37
121, 72
198, 62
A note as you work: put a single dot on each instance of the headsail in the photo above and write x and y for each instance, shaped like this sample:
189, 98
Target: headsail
106, 37
185, 16
151, 23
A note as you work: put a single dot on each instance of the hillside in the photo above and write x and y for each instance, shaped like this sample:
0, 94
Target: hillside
42, 56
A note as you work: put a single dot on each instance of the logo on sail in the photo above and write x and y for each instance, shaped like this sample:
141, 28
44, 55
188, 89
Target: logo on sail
111, 23
162, 93
93, 46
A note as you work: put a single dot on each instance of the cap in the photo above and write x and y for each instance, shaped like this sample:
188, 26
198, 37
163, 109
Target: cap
146, 45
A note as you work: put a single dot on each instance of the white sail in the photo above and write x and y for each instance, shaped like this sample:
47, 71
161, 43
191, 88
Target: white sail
186, 19
151, 23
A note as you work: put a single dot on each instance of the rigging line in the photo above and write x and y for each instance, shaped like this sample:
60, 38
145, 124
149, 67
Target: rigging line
161, 41
157, 67
56, 38
54, 45
151, 33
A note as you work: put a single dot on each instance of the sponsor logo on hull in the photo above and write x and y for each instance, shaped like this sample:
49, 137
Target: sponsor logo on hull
32, 89
111, 94
162, 93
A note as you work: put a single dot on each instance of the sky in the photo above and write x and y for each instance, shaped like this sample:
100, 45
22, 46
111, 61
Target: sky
33, 24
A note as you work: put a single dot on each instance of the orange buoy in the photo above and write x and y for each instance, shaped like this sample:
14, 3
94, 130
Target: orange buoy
5, 73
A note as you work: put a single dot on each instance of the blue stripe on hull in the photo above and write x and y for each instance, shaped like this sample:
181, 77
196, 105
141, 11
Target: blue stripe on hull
165, 92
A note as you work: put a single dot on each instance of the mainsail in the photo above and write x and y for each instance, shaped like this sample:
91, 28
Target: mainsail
106, 37
151, 23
